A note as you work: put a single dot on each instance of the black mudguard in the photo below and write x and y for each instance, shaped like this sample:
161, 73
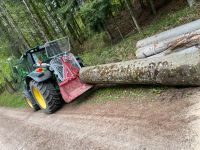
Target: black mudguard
38, 76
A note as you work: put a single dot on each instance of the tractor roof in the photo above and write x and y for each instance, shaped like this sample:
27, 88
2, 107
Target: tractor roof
33, 50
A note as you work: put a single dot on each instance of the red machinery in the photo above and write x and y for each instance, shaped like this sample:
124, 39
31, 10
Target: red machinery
66, 68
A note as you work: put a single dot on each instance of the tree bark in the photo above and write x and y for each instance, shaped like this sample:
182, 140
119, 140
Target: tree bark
151, 3
132, 16
183, 29
174, 70
36, 22
7, 30
50, 24
185, 40
35, 31
14, 25
8, 83
56, 19
180, 51
40, 19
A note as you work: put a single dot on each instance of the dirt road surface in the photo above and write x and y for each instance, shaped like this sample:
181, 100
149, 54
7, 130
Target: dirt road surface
168, 121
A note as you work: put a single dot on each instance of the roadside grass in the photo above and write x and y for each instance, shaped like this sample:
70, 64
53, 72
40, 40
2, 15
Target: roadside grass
127, 92
12, 100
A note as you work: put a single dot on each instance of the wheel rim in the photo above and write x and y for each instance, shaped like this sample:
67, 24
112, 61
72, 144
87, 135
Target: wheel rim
39, 98
29, 102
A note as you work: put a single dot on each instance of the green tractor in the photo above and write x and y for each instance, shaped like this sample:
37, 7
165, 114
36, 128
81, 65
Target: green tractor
50, 74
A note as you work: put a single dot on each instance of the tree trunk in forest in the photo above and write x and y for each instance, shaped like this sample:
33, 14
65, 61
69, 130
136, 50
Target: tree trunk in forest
16, 52
151, 3
118, 29
7, 82
34, 38
142, 4
40, 19
174, 70
73, 33
36, 22
14, 25
49, 23
57, 21
132, 16
191, 2
11, 43
35, 29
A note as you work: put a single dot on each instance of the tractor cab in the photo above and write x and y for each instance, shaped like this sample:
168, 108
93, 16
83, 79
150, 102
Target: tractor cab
36, 55
26, 64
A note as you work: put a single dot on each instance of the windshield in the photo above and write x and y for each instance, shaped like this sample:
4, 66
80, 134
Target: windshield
40, 56
57, 47
22, 68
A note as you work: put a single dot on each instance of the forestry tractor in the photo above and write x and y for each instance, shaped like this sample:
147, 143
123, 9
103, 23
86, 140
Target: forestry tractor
51, 75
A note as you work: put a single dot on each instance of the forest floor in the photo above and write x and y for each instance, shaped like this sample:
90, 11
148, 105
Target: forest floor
160, 121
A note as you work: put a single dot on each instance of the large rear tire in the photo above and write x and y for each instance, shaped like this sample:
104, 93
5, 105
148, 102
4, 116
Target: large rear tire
30, 100
46, 96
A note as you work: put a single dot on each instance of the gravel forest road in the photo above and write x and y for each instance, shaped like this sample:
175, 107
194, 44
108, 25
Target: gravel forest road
170, 121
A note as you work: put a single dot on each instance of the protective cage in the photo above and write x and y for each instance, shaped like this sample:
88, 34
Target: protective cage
66, 68
57, 47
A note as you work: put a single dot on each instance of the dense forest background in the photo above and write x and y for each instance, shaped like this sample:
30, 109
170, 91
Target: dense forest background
28, 23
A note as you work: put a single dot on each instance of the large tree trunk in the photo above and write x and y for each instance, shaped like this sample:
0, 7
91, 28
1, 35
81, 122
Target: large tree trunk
7, 30
40, 19
183, 29
9, 85
184, 40
185, 51
12, 22
178, 69
35, 21
56, 19
38, 36
132, 16
50, 24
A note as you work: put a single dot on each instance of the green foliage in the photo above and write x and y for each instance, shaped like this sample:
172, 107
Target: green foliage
12, 100
95, 13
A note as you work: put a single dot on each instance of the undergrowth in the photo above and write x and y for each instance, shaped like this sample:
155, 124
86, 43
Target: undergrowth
12, 100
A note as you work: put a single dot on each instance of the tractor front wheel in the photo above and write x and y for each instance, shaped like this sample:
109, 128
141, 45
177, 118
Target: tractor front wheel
30, 100
46, 96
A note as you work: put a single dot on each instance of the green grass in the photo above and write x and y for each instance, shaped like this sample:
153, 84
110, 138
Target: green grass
118, 93
101, 95
12, 100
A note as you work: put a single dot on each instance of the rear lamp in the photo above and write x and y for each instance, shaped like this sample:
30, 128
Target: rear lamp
38, 70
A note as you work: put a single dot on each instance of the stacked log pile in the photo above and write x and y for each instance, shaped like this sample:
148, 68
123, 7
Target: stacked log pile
173, 40
169, 58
